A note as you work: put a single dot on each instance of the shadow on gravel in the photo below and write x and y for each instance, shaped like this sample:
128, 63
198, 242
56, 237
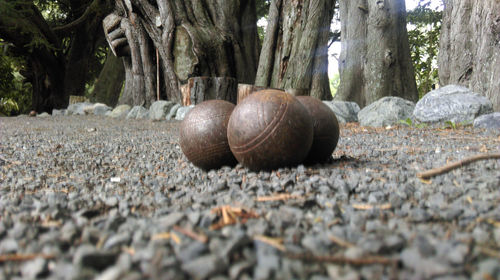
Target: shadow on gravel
335, 162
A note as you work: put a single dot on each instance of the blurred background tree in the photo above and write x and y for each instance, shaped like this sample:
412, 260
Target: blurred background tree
424, 28
57, 47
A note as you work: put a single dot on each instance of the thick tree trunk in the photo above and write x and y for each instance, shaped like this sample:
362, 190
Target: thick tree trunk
375, 56
47, 80
295, 49
110, 81
193, 38
469, 47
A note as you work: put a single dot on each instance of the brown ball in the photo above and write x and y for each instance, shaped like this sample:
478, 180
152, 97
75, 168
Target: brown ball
326, 129
270, 129
203, 135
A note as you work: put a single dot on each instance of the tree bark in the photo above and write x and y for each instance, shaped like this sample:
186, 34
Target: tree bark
199, 89
295, 49
469, 47
109, 84
194, 38
375, 55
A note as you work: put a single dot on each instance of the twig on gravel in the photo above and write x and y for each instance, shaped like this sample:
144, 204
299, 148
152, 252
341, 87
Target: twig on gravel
277, 197
341, 242
23, 257
9, 161
175, 238
4, 159
231, 215
193, 235
274, 242
490, 252
167, 235
385, 206
160, 236
448, 167
343, 260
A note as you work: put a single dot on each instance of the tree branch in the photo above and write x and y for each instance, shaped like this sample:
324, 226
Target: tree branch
65, 29
440, 170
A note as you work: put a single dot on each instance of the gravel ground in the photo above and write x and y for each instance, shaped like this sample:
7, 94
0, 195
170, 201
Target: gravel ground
84, 197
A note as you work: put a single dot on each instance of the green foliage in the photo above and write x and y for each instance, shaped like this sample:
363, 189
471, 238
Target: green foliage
450, 124
334, 83
262, 8
454, 126
409, 122
15, 93
17, 13
8, 107
262, 12
6, 76
424, 27
54, 12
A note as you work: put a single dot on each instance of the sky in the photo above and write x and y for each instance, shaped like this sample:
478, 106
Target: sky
335, 48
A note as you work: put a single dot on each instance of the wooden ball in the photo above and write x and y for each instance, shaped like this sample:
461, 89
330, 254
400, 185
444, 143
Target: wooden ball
203, 135
270, 129
326, 130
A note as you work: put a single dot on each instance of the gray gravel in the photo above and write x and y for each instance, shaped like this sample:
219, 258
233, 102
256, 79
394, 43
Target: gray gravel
94, 197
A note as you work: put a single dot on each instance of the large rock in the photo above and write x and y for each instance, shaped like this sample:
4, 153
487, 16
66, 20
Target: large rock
182, 111
56, 112
344, 110
43, 115
173, 112
451, 103
386, 111
490, 121
78, 108
159, 109
119, 112
100, 109
138, 112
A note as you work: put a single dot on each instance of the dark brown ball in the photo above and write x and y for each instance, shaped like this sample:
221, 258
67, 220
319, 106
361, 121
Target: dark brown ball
326, 130
203, 135
270, 129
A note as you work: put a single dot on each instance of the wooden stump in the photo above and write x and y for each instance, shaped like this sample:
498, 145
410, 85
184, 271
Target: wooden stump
199, 89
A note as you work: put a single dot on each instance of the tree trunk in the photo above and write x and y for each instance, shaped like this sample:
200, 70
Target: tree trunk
199, 89
193, 38
469, 47
295, 49
110, 81
375, 56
